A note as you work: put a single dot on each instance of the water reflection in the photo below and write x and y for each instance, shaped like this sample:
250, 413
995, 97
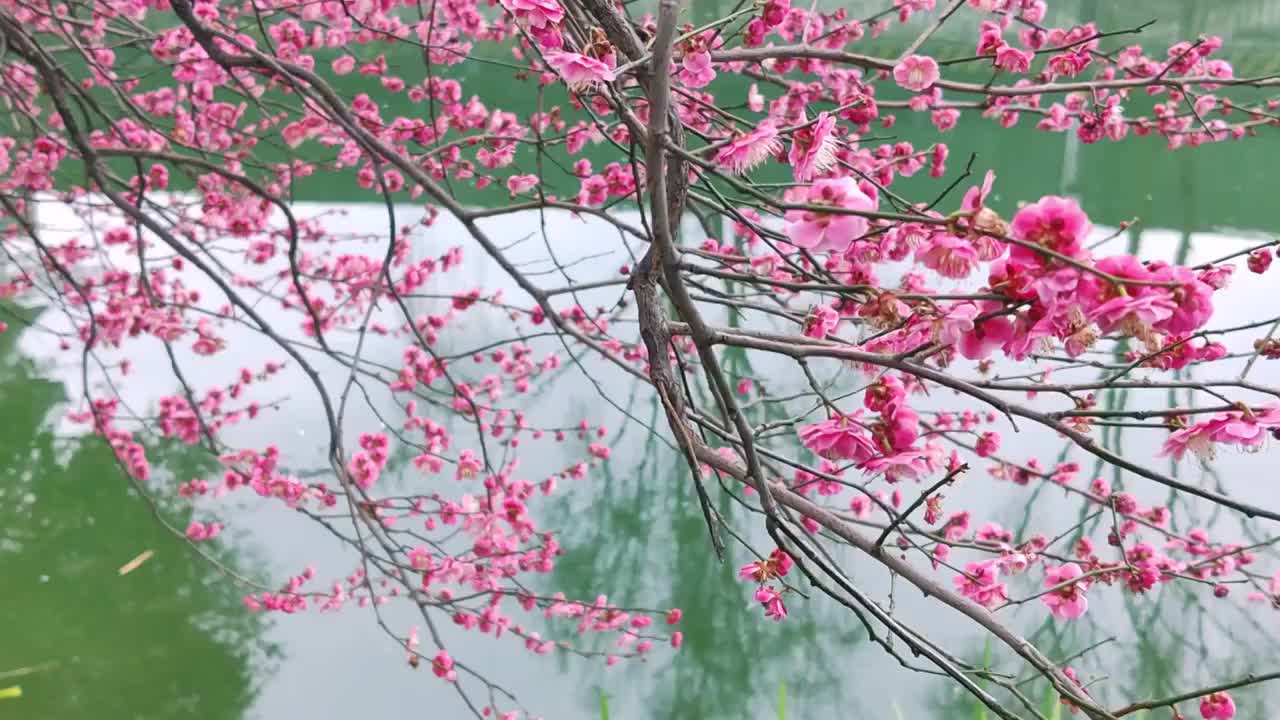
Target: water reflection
645, 533
633, 530
167, 641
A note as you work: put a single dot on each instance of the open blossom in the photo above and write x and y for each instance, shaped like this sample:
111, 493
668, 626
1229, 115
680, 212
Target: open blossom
1133, 315
839, 438
990, 38
745, 152
1217, 706
535, 13
975, 198
771, 599
1054, 222
778, 564
1012, 563
580, 72
1235, 427
916, 72
343, 64
908, 464
1134, 309
978, 583
1193, 299
1013, 59
949, 256
1058, 119
956, 322
899, 425
517, 184
821, 322
696, 70
1066, 603
828, 232
984, 221
939, 555
987, 335
813, 148
945, 119
774, 12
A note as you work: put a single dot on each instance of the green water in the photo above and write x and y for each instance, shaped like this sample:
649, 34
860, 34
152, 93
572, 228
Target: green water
170, 640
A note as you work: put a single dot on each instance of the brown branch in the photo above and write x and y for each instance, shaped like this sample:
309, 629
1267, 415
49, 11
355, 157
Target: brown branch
946, 480
1250, 679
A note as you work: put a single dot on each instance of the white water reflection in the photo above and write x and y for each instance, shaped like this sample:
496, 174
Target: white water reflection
339, 666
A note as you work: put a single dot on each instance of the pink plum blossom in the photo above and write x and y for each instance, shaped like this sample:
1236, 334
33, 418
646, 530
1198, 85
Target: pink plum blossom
813, 148
988, 444
956, 322
1246, 430
908, 464
535, 13
1069, 602
1259, 261
745, 152
987, 335
580, 72
916, 72
819, 231
839, 438
696, 70
771, 599
945, 119
821, 322
518, 184
1217, 706
1054, 222
442, 666
1013, 59
778, 564
979, 583
1193, 299
950, 256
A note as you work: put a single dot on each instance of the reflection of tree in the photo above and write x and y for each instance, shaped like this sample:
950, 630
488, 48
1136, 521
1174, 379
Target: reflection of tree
1170, 640
653, 540
168, 640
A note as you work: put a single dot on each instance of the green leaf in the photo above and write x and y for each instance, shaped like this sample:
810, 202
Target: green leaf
604, 706
782, 700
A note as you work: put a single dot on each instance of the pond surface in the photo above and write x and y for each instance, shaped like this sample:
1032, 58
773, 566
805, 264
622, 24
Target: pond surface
172, 641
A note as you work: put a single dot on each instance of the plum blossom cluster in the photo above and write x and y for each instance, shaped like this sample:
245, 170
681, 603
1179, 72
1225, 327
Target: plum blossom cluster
186, 145
764, 573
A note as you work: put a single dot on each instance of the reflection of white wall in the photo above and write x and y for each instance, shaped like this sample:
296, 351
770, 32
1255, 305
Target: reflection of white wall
360, 671
344, 653
581, 244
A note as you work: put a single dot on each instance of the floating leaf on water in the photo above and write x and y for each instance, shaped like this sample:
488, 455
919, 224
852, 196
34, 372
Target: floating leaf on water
135, 563
11, 692
29, 670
